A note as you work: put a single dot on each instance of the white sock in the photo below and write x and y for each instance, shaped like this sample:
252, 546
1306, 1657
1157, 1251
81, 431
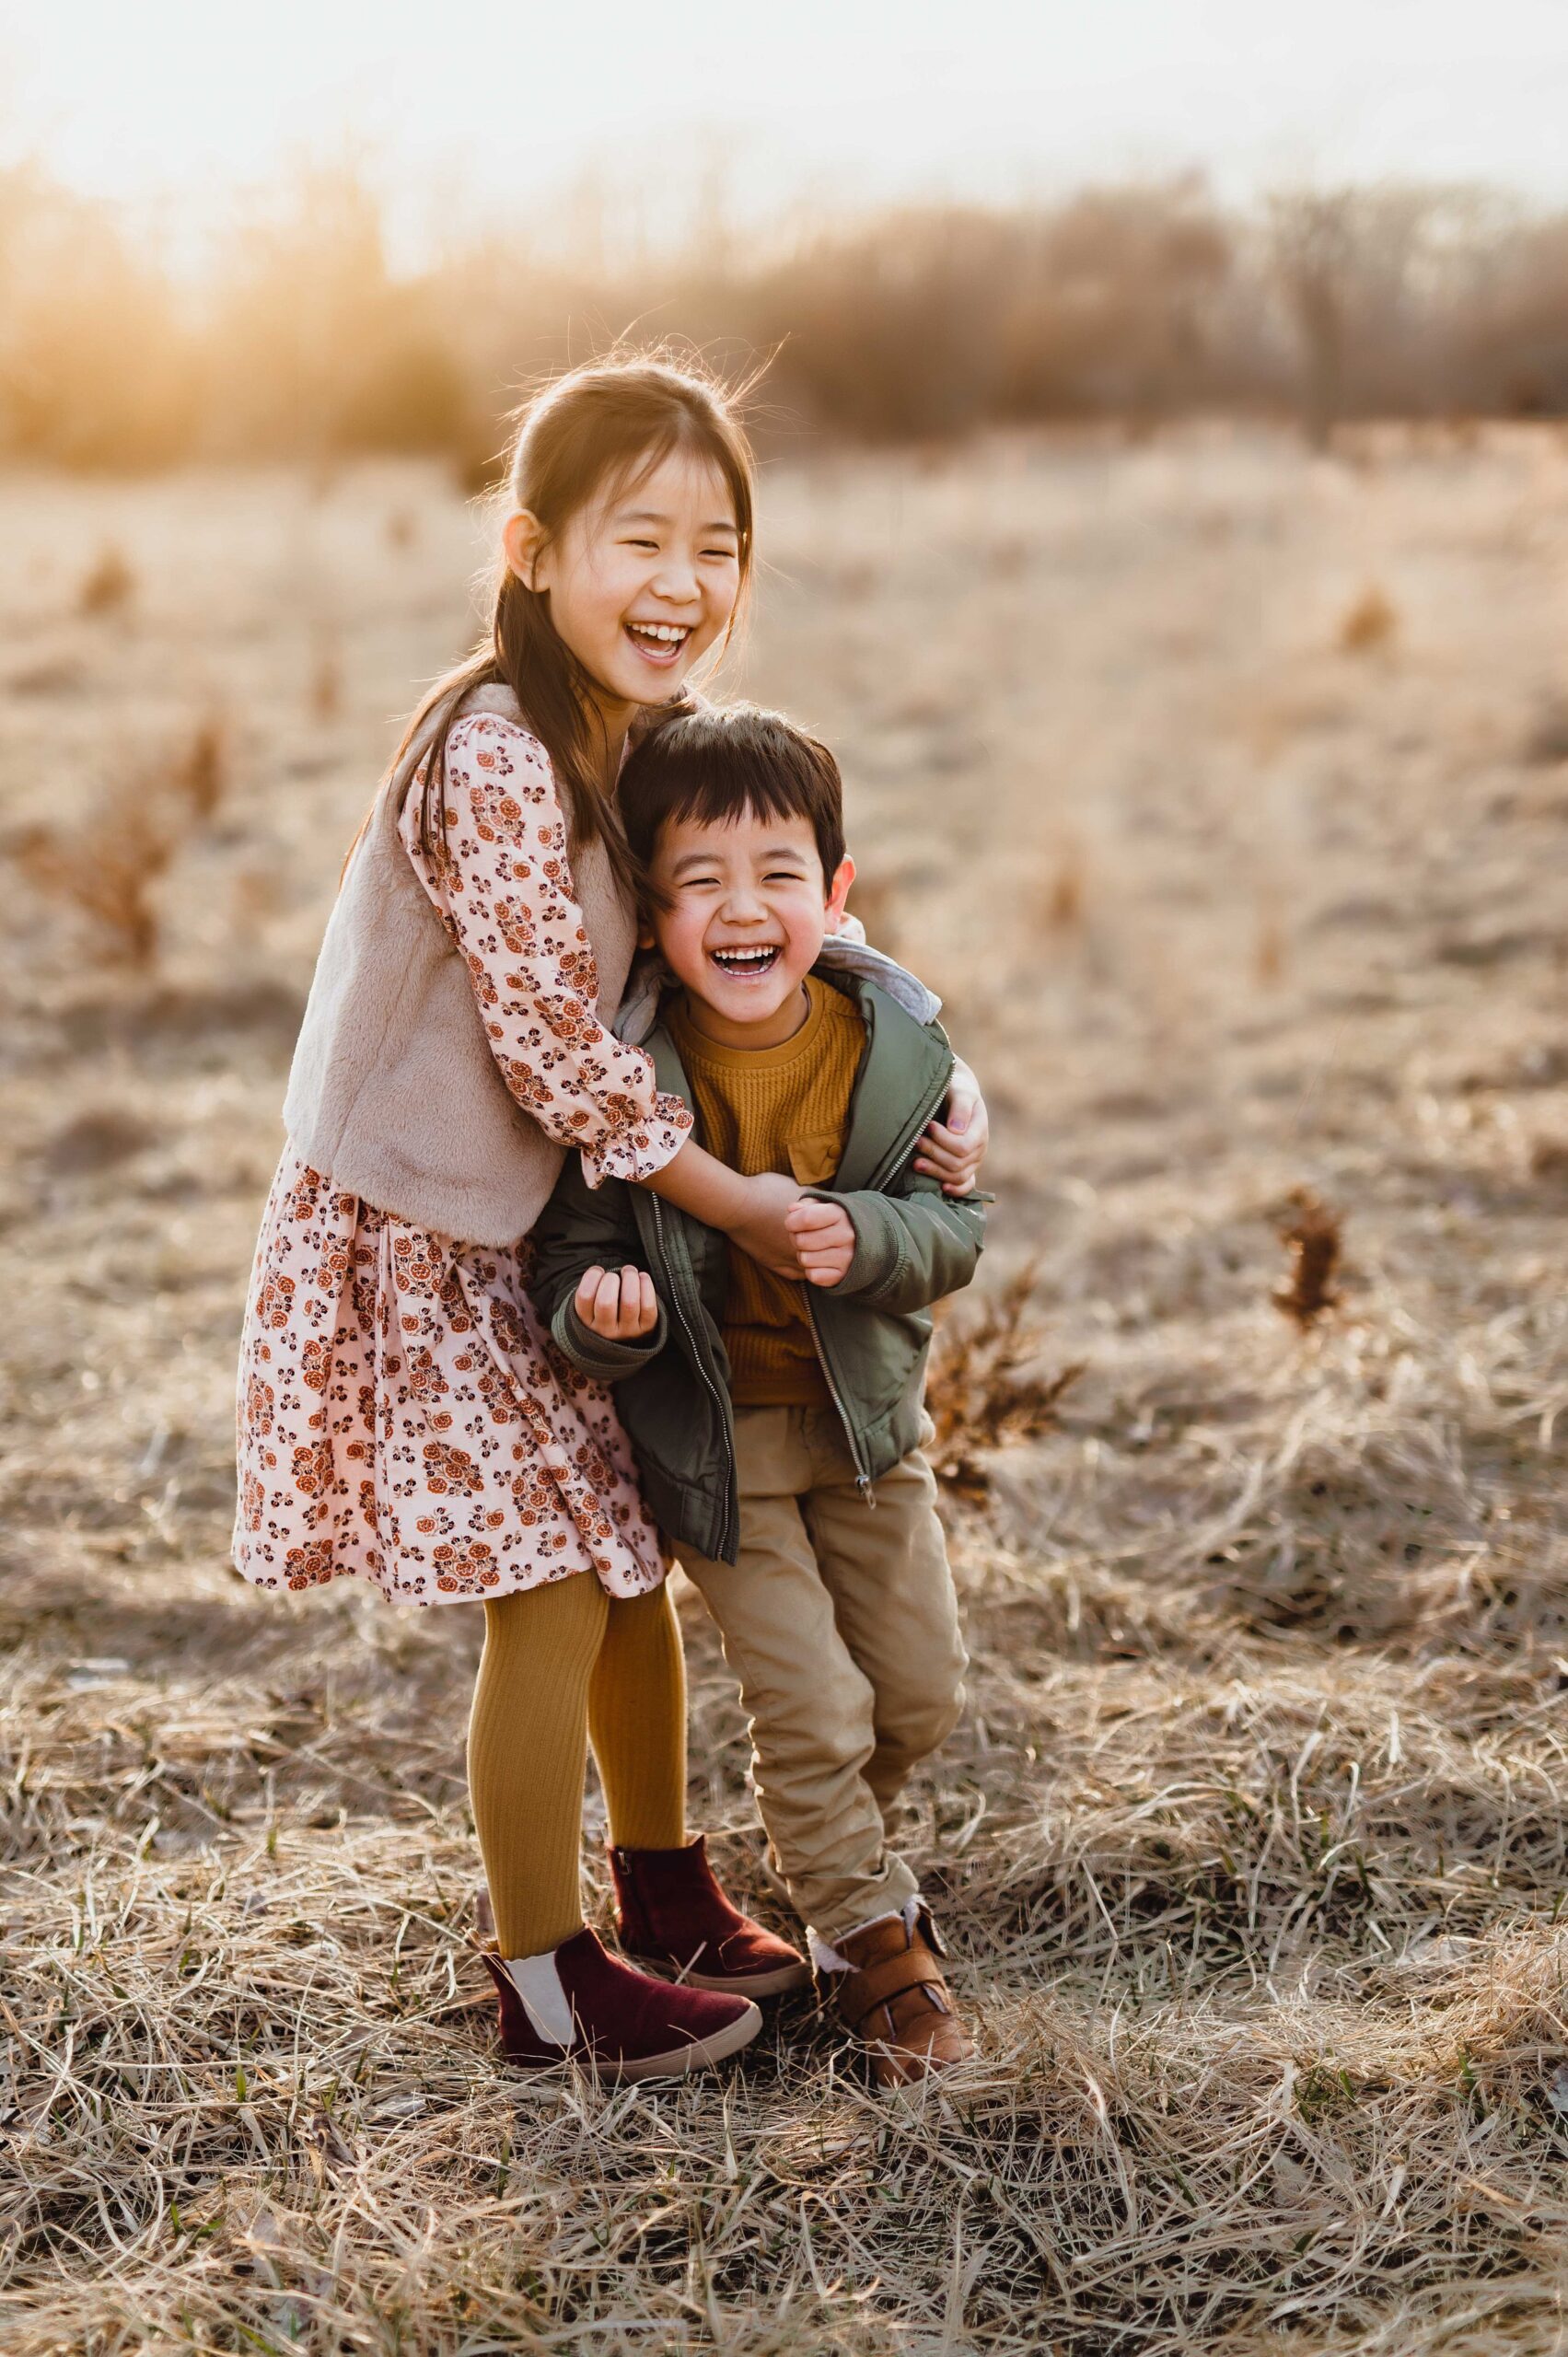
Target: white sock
828, 1960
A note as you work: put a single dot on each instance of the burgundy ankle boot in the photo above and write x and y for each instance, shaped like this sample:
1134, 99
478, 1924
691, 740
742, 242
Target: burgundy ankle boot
673, 1914
579, 2004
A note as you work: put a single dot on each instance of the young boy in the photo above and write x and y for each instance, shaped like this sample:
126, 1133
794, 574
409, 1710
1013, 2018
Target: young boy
776, 1424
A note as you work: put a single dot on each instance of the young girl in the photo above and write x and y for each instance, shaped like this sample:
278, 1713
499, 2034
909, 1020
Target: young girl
402, 1415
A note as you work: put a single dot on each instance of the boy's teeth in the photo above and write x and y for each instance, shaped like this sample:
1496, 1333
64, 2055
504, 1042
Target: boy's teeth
747, 956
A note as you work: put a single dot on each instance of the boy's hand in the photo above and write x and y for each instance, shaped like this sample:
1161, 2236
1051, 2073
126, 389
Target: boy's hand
823, 1235
620, 1303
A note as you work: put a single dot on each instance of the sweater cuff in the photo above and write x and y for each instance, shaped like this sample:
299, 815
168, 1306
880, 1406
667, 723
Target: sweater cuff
599, 1355
879, 1244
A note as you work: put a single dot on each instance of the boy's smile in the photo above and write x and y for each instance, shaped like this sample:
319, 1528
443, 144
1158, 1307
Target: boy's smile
747, 909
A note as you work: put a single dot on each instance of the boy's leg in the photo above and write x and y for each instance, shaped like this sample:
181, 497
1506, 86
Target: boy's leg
886, 1568
811, 1710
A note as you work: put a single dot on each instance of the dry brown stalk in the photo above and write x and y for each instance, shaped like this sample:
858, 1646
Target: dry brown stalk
1065, 890
1312, 1237
110, 585
1370, 621
198, 771
980, 1393
326, 698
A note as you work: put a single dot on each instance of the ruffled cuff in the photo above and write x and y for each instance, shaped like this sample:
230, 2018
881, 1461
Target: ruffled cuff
640, 1146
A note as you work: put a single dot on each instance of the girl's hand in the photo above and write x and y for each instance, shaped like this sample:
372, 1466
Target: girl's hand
762, 1227
824, 1239
953, 1150
620, 1303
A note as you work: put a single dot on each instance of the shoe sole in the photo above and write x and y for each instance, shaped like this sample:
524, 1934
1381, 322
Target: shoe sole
747, 1984
701, 2054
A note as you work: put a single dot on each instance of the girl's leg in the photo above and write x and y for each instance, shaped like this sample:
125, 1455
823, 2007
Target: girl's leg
637, 1721
528, 1756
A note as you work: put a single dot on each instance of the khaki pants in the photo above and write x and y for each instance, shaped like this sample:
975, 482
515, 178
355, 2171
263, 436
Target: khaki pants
841, 1621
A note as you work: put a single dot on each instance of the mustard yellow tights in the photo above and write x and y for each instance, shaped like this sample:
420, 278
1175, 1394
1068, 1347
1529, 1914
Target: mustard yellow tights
562, 1663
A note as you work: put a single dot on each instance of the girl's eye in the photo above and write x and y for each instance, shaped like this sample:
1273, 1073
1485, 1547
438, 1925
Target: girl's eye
727, 555
641, 545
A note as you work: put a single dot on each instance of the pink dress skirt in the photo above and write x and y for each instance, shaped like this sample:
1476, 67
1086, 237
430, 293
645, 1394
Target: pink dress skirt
404, 1417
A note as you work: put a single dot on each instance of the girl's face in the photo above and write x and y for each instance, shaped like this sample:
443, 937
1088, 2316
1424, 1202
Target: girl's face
643, 581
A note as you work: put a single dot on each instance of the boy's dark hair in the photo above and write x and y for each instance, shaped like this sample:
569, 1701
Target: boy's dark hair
720, 760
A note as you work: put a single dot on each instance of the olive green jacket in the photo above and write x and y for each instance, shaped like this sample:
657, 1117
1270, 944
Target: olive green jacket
872, 1328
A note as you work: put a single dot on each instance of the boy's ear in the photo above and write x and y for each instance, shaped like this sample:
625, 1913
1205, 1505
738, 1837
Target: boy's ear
838, 892
646, 938
522, 536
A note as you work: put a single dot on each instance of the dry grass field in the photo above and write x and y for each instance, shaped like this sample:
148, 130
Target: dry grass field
1223, 791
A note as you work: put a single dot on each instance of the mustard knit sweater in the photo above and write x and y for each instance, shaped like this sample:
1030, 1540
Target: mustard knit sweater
776, 1109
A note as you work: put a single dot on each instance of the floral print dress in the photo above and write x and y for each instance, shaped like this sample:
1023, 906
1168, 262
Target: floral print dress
403, 1415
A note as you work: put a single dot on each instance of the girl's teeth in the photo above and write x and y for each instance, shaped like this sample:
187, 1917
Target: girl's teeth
667, 635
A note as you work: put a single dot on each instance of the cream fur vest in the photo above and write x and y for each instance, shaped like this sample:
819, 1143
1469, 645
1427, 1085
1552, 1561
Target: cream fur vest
394, 1094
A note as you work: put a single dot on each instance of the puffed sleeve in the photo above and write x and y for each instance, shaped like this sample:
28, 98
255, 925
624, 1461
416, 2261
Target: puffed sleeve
505, 893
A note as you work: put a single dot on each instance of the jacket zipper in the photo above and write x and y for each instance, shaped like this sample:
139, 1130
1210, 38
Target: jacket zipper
699, 1360
879, 1177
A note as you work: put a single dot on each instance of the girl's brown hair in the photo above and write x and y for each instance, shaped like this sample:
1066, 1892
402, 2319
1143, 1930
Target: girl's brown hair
612, 419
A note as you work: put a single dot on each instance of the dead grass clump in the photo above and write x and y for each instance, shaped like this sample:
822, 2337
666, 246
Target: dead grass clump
1313, 1236
110, 585
1368, 622
1548, 1159
1546, 741
107, 871
97, 1141
981, 1394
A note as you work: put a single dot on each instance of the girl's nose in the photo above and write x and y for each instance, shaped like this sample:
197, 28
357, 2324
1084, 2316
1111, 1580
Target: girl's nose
676, 579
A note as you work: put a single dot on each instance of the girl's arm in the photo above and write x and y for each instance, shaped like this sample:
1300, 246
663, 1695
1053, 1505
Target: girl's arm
505, 894
751, 1211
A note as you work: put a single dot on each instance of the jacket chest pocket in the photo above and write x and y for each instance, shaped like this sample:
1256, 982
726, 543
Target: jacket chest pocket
813, 1156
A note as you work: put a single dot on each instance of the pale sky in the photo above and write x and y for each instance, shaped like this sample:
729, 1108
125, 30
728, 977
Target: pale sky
493, 108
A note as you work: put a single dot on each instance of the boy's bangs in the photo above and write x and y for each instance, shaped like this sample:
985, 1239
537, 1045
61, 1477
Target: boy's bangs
714, 767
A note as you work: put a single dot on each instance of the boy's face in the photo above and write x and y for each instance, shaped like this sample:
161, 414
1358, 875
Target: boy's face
748, 909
